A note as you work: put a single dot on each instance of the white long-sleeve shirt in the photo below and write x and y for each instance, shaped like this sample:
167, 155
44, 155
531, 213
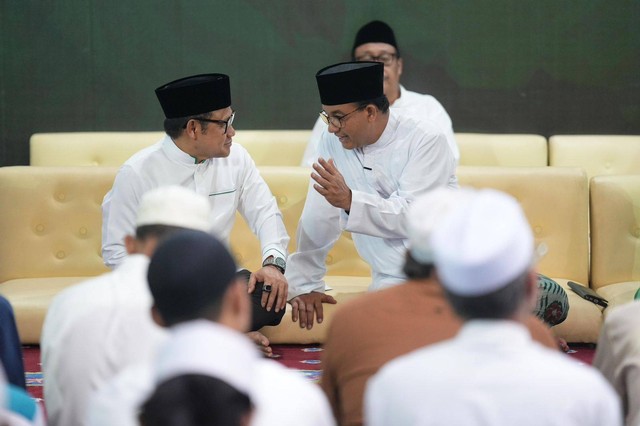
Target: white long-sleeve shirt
231, 183
422, 108
280, 396
491, 373
384, 177
618, 357
92, 331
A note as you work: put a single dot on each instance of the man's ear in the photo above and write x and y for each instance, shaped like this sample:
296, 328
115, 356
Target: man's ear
399, 67
192, 129
532, 289
130, 244
157, 318
237, 305
372, 112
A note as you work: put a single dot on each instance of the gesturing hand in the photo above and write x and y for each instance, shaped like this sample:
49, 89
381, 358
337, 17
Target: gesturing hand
331, 185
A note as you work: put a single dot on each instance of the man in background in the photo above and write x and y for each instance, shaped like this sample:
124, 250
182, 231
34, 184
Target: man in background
376, 41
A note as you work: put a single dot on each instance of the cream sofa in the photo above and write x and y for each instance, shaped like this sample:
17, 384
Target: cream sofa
51, 237
267, 147
598, 155
615, 237
509, 150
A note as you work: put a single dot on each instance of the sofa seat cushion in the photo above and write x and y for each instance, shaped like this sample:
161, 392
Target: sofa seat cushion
584, 320
30, 298
343, 288
618, 294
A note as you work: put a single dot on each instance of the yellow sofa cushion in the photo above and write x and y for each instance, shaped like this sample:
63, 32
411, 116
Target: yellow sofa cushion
596, 154
509, 150
267, 147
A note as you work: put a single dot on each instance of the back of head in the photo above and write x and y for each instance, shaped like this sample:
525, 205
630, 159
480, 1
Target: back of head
196, 400
169, 208
483, 253
425, 214
375, 32
188, 276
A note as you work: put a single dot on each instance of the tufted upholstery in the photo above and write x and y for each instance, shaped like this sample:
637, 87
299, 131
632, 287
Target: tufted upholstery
596, 154
88, 148
50, 224
508, 150
267, 147
555, 201
615, 237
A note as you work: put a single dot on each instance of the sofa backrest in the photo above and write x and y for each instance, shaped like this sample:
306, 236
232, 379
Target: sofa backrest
615, 229
598, 155
267, 147
555, 201
506, 150
88, 148
50, 221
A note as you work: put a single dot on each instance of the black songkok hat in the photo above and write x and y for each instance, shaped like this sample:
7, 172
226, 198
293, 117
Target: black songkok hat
350, 82
194, 95
189, 271
375, 32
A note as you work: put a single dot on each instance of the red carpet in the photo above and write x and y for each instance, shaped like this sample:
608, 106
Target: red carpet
303, 358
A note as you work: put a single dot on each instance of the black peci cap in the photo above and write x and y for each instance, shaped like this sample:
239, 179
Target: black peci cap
194, 95
350, 82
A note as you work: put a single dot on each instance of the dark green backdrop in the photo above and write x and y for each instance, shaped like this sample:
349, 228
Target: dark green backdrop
544, 66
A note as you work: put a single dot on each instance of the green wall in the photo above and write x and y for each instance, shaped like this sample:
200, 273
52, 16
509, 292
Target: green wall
546, 66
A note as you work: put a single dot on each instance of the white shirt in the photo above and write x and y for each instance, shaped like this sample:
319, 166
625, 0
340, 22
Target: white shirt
92, 331
618, 357
491, 373
231, 183
422, 108
280, 396
384, 177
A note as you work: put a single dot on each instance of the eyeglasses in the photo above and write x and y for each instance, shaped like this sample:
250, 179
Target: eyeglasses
228, 122
336, 121
386, 58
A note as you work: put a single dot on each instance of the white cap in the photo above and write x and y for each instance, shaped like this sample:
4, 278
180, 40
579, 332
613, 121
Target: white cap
425, 213
174, 206
484, 246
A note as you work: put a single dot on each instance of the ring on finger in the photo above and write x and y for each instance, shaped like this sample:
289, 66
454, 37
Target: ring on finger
266, 288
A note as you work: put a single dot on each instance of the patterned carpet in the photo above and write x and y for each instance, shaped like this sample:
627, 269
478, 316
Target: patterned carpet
303, 358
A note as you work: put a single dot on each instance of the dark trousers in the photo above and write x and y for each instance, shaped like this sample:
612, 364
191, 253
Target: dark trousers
259, 315
10, 347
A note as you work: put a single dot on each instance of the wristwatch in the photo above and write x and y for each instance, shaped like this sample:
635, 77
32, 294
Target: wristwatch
278, 262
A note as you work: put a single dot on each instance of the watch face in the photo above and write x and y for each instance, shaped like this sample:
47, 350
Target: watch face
280, 262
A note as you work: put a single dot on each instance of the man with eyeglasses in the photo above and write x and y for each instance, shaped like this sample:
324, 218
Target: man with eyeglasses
376, 41
372, 163
197, 153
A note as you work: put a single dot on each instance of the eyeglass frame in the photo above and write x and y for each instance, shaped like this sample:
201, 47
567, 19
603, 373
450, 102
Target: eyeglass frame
328, 119
371, 58
228, 122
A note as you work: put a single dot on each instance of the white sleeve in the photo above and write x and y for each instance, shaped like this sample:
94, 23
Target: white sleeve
430, 166
260, 210
318, 230
374, 403
311, 152
118, 402
119, 209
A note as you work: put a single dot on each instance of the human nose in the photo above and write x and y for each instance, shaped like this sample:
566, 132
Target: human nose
231, 131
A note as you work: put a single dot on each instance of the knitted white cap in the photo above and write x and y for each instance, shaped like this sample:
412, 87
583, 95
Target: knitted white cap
485, 245
174, 206
425, 214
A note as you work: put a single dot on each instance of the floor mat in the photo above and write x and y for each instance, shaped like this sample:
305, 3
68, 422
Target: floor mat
304, 359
